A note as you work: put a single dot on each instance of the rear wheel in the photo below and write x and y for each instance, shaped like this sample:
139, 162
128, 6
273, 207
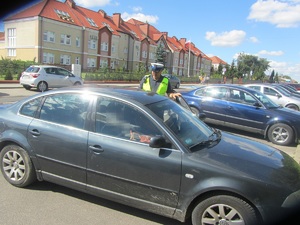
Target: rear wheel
224, 209
77, 83
42, 86
292, 106
16, 166
280, 134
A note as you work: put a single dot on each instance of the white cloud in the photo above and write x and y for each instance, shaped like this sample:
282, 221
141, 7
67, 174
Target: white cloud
137, 9
226, 39
253, 39
284, 68
141, 17
282, 14
92, 3
272, 53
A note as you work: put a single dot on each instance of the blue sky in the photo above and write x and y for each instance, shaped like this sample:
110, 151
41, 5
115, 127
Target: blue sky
266, 28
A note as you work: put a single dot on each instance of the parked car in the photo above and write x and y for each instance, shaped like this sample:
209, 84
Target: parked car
243, 108
137, 148
290, 89
295, 85
175, 81
278, 95
44, 77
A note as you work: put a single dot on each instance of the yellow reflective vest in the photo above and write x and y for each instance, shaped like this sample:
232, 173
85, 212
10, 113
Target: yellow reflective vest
162, 88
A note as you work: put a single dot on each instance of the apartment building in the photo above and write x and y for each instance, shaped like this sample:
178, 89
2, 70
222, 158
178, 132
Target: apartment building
55, 32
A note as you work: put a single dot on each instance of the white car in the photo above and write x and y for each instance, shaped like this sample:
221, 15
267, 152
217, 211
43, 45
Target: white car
44, 77
277, 95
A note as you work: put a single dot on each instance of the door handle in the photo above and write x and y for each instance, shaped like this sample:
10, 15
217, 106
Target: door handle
97, 149
35, 132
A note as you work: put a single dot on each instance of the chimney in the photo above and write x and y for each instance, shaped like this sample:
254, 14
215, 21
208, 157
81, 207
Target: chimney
117, 19
102, 13
71, 3
145, 28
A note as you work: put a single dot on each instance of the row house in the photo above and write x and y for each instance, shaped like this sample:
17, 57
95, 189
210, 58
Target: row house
55, 32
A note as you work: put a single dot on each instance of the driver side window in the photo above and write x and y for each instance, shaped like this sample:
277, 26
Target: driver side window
118, 119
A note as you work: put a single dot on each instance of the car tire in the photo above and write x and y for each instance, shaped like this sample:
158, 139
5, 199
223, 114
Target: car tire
27, 87
195, 111
224, 209
281, 134
177, 86
77, 84
16, 166
292, 106
42, 86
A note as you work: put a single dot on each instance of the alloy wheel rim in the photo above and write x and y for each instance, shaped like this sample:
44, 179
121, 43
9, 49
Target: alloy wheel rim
221, 214
14, 166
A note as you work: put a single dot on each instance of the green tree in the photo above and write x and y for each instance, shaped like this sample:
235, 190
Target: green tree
161, 54
252, 67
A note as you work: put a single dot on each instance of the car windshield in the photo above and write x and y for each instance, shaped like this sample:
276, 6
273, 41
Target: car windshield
182, 121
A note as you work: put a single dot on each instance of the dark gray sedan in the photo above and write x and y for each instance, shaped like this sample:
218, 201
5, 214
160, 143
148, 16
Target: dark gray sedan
146, 151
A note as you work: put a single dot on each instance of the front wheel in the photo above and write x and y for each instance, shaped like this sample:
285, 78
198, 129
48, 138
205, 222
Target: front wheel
42, 86
16, 166
281, 134
224, 209
195, 111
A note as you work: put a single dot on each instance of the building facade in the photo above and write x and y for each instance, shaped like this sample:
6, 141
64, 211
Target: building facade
62, 33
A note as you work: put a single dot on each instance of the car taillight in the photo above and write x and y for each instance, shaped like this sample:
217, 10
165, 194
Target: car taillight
35, 75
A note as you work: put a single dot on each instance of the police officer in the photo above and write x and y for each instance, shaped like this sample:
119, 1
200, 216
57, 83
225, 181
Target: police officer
155, 82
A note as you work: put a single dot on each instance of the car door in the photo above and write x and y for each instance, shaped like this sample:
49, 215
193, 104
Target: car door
64, 78
275, 95
243, 114
59, 139
121, 163
214, 104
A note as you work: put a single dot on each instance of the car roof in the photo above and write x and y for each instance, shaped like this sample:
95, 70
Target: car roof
236, 86
136, 95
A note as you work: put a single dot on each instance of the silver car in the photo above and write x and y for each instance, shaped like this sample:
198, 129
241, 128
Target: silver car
43, 77
278, 95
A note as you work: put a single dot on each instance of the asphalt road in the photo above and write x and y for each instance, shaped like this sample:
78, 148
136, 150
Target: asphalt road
46, 203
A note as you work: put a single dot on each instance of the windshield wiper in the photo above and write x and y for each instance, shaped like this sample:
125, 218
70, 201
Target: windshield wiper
210, 139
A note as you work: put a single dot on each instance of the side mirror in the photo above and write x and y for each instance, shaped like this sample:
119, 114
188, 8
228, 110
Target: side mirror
257, 104
157, 142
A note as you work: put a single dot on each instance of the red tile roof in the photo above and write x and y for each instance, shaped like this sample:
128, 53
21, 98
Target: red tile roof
217, 60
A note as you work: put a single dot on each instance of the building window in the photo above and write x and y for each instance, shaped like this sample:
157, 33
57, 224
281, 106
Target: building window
103, 63
77, 41
12, 41
91, 21
144, 54
65, 59
151, 55
113, 48
49, 36
92, 44
65, 39
125, 50
91, 62
48, 58
77, 60
104, 46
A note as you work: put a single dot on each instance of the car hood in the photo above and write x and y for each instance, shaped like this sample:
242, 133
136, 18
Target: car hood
243, 157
